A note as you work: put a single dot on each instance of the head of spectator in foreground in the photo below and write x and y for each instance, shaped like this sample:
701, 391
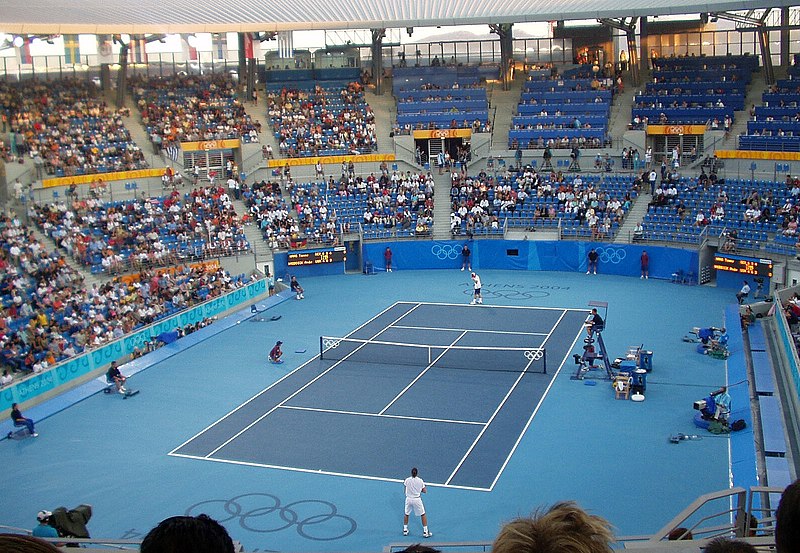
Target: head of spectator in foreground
16, 543
725, 545
787, 520
184, 534
679, 533
565, 527
419, 548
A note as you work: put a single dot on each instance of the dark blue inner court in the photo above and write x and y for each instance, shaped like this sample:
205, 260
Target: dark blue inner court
460, 417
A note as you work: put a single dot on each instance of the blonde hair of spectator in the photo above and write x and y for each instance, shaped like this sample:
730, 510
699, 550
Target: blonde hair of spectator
564, 528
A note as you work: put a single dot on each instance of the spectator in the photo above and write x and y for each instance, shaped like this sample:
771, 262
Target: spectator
45, 529
185, 534
726, 545
564, 527
787, 520
16, 543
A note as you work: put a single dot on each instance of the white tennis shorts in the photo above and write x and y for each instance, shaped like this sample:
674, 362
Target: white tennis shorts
415, 504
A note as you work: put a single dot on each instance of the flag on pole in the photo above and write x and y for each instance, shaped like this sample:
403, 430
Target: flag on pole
173, 151
136, 49
25, 52
72, 49
248, 46
219, 45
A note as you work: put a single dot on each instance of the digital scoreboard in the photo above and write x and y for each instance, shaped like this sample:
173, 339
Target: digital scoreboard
743, 265
301, 258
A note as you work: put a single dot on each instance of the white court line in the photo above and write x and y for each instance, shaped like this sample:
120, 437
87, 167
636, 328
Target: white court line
404, 390
435, 328
287, 375
379, 415
500, 406
306, 385
489, 306
320, 471
541, 400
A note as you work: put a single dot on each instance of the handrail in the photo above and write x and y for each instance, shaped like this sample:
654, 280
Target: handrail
248, 168
680, 520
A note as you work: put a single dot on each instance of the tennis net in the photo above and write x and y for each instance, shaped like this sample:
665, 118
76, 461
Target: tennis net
478, 358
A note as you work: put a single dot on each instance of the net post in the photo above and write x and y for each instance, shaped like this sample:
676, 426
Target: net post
320, 348
544, 361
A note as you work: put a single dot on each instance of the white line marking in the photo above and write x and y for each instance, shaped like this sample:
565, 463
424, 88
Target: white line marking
433, 361
273, 384
306, 385
470, 330
379, 415
488, 423
325, 472
541, 400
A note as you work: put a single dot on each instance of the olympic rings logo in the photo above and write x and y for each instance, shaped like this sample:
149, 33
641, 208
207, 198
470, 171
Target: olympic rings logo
534, 354
329, 344
263, 513
446, 251
611, 255
510, 294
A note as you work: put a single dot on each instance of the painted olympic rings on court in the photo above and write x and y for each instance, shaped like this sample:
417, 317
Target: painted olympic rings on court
509, 294
446, 251
611, 255
263, 513
534, 354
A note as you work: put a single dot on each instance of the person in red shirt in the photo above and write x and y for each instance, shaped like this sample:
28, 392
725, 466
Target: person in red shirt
387, 257
645, 262
276, 353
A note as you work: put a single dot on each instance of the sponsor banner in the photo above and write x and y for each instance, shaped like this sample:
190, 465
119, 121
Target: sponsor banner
676, 129
97, 359
361, 158
208, 145
443, 133
747, 154
105, 177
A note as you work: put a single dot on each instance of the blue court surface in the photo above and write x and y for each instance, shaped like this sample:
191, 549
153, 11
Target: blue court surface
336, 413
309, 455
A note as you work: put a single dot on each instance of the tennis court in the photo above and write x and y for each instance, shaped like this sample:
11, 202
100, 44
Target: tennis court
449, 386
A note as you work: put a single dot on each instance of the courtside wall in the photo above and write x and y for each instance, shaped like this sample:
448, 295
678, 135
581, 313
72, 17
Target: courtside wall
96, 359
529, 255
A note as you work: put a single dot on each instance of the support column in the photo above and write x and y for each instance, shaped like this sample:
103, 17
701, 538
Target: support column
644, 55
122, 74
633, 56
246, 56
766, 56
376, 50
786, 60
505, 32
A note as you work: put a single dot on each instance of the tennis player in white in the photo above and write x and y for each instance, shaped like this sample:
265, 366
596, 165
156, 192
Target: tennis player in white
476, 282
414, 487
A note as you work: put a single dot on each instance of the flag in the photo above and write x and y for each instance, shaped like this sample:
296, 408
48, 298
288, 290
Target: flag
25, 53
248, 46
173, 151
136, 49
219, 46
72, 49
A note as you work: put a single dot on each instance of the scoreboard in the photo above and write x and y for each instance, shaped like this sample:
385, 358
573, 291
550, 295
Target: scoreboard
301, 258
748, 266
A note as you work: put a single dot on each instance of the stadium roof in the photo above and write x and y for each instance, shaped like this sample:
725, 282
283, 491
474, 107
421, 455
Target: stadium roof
194, 16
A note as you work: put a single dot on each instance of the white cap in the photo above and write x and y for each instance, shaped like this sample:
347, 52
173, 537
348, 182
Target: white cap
43, 515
